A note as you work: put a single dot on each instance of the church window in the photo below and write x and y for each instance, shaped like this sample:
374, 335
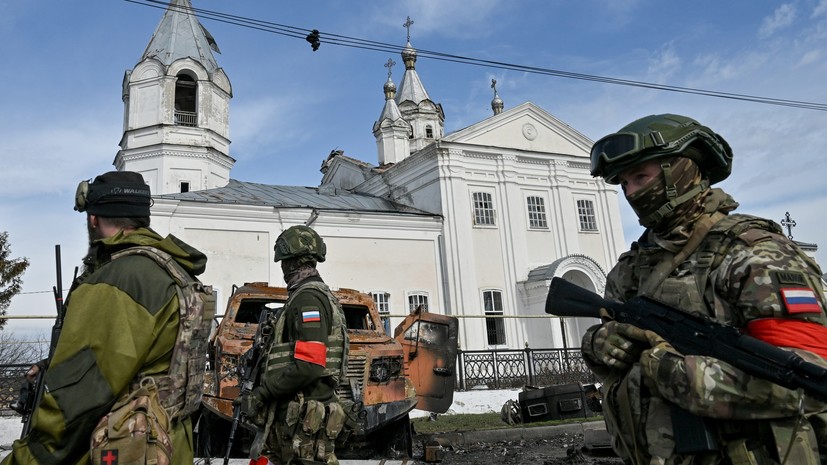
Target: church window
536, 212
186, 90
494, 325
429, 132
382, 300
416, 300
185, 186
483, 208
585, 212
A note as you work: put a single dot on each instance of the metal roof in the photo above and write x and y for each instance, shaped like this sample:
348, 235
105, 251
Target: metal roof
322, 198
180, 35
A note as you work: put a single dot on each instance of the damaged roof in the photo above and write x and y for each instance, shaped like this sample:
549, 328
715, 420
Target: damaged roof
321, 198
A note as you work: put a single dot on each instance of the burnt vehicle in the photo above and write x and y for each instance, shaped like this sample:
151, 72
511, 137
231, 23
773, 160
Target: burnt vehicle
386, 376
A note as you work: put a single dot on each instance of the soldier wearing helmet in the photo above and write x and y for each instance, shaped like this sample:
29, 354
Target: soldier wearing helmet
697, 256
296, 400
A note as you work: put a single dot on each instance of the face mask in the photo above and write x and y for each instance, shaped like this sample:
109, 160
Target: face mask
684, 175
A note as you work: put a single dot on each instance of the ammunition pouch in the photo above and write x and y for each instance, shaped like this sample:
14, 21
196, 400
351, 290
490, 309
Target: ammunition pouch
785, 440
308, 431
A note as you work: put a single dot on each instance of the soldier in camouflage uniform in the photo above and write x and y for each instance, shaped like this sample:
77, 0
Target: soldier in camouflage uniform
296, 399
121, 325
737, 269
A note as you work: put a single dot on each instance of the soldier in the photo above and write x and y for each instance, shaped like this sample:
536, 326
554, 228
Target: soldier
737, 269
296, 399
121, 328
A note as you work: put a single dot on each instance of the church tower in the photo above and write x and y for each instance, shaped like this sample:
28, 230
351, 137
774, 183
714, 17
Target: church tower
176, 109
392, 132
425, 117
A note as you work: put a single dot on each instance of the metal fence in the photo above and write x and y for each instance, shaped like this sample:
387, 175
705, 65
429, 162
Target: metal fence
515, 368
11, 379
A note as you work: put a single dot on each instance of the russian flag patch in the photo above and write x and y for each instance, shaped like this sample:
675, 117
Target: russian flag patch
311, 316
800, 300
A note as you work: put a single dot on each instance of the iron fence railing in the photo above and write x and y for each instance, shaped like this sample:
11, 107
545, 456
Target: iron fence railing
515, 368
12, 377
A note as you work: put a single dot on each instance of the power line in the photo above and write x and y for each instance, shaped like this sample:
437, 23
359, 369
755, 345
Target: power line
354, 42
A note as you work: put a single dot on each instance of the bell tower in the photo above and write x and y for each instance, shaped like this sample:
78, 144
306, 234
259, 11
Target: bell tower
176, 109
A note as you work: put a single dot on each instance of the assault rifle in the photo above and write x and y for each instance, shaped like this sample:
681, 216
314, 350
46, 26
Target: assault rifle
694, 335
32, 393
248, 368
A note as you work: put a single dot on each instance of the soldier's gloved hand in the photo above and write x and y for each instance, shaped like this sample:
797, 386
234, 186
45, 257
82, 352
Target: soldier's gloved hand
617, 344
653, 359
252, 405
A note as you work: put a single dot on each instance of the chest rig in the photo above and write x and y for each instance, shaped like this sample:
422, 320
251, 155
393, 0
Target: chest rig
280, 352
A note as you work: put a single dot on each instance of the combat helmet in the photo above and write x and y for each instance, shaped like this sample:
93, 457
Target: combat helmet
299, 241
658, 136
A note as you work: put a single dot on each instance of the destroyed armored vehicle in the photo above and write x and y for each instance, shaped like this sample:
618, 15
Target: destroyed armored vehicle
387, 376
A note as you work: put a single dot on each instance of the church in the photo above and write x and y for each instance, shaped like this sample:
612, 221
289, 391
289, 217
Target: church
473, 223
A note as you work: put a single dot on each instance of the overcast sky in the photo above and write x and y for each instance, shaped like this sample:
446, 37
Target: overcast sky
62, 64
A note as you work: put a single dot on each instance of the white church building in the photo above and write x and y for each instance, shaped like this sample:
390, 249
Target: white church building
473, 223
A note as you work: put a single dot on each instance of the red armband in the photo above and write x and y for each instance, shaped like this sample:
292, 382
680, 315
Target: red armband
796, 334
311, 352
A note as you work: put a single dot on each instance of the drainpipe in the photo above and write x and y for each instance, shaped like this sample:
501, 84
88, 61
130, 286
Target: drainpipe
313, 215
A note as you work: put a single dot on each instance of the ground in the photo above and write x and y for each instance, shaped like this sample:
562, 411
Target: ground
562, 449
556, 449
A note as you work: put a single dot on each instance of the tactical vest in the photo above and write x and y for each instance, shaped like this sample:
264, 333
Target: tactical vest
280, 352
689, 287
180, 390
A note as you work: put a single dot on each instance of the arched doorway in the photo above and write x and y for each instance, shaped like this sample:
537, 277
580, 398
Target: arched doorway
562, 332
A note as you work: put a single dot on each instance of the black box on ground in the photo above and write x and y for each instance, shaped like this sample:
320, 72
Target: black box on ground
553, 403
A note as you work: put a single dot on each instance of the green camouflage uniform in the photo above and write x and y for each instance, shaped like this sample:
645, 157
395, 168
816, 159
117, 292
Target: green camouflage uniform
734, 276
121, 320
305, 417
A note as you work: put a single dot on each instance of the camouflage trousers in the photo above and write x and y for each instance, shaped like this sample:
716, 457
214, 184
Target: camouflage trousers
304, 432
644, 433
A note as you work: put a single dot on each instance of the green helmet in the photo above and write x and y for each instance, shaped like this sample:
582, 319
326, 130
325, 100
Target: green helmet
299, 241
658, 136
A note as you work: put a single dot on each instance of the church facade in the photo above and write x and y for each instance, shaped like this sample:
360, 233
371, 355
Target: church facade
473, 223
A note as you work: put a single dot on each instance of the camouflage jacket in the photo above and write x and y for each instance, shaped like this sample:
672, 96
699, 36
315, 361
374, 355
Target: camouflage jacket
735, 276
121, 320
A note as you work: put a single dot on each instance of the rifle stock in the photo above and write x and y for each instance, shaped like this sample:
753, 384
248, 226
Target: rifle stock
694, 335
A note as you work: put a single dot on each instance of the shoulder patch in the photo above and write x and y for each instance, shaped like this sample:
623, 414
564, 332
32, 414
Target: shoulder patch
800, 300
311, 315
790, 278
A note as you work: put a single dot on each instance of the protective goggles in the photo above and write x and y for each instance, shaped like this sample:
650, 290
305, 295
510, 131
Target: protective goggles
617, 147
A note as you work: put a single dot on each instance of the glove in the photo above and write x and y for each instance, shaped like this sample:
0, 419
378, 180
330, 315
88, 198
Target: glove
617, 345
251, 406
659, 354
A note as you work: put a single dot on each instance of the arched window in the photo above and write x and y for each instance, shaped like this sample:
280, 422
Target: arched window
186, 90
429, 132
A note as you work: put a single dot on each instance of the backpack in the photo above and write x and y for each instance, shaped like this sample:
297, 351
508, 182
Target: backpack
180, 390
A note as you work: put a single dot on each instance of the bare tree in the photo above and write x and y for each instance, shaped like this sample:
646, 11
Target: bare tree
15, 350
11, 274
